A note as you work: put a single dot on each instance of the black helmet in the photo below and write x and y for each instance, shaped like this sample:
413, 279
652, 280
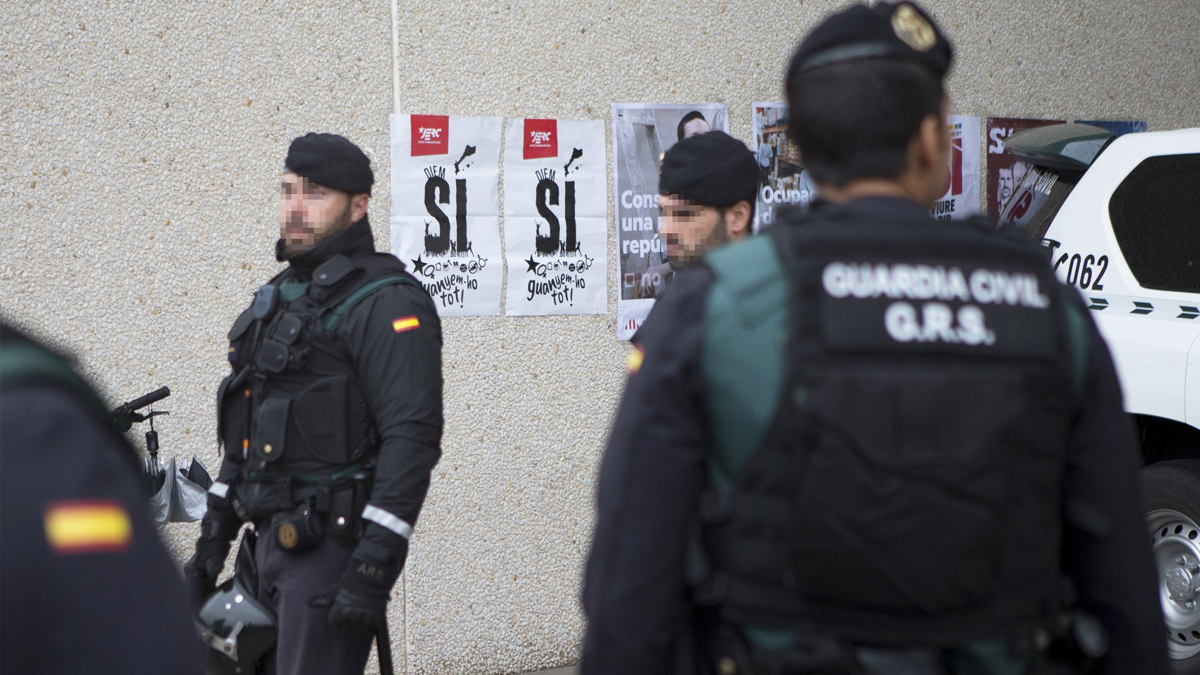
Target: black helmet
239, 629
237, 626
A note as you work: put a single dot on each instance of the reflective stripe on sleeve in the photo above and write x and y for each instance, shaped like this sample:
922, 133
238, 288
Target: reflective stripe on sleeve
378, 515
219, 489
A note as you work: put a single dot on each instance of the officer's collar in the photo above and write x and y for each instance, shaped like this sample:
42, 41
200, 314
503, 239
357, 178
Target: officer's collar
881, 207
355, 240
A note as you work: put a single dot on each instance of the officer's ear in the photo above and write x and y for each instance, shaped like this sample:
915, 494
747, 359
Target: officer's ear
737, 220
929, 156
358, 206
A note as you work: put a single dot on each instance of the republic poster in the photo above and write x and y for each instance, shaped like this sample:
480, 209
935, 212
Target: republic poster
642, 133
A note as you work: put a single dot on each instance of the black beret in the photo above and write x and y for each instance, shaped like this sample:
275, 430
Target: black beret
332, 161
898, 31
712, 169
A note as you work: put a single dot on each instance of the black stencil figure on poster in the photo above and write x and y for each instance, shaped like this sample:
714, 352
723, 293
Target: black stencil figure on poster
437, 191
575, 154
547, 196
467, 152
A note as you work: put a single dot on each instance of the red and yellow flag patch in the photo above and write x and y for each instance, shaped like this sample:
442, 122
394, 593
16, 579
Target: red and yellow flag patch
87, 526
633, 362
405, 323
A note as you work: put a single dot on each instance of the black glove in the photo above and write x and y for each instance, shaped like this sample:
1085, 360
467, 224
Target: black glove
217, 530
366, 586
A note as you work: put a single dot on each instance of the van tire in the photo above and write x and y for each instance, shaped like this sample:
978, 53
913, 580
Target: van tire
1172, 491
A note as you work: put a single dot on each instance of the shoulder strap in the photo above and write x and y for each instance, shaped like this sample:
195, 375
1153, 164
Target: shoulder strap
752, 273
743, 356
331, 318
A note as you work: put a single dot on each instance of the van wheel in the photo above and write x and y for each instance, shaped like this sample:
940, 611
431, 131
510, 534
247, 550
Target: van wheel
1173, 513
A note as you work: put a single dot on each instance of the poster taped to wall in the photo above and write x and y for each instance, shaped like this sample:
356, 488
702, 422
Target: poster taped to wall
446, 208
1004, 172
961, 199
642, 132
781, 178
555, 217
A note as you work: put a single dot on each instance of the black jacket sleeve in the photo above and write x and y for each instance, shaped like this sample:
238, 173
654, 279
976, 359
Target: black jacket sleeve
1106, 544
115, 604
650, 480
400, 367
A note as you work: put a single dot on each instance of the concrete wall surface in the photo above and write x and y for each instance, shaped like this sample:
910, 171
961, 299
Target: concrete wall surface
142, 146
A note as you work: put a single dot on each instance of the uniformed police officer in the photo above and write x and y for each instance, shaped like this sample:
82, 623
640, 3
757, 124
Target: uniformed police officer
86, 585
331, 419
706, 196
871, 442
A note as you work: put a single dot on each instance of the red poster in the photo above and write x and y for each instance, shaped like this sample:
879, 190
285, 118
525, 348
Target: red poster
1003, 171
430, 135
541, 139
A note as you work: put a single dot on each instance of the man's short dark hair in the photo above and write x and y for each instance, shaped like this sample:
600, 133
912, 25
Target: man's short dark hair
722, 210
855, 119
694, 115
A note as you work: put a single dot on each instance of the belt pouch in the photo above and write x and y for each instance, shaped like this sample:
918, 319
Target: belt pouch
343, 516
300, 529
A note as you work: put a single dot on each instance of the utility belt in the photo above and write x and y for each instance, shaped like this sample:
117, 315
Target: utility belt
1070, 644
300, 510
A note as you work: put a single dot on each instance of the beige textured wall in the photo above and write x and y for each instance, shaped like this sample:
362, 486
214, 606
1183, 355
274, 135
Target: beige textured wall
141, 146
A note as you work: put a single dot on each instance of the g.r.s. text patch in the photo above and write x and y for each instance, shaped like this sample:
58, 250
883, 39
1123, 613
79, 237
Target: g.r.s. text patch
917, 307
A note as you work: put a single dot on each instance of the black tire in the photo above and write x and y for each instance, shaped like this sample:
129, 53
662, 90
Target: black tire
1172, 492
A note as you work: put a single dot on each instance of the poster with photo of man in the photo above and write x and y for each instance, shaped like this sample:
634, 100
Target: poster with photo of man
1004, 172
642, 132
446, 208
555, 217
961, 200
782, 179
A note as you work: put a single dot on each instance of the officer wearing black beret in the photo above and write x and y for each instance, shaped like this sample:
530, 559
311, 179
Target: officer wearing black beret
869, 442
330, 418
706, 196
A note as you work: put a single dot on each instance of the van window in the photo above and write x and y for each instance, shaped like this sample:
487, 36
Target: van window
1155, 216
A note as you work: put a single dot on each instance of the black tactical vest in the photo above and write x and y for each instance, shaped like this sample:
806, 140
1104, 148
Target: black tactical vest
293, 410
907, 491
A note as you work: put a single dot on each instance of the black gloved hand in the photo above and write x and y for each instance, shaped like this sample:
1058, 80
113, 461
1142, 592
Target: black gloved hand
217, 530
366, 586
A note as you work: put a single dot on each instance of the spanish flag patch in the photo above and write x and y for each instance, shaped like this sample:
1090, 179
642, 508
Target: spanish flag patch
87, 526
633, 362
405, 323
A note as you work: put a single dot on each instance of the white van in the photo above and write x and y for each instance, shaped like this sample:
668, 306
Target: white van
1121, 220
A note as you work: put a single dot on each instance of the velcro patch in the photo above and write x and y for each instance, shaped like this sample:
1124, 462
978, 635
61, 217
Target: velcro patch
87, 526
406, 323
903, 307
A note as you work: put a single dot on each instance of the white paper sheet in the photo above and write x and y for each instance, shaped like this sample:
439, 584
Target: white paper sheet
961, 200
555, 217
446, 208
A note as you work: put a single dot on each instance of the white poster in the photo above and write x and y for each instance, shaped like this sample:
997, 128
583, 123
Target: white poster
555, 217
782, 179
446, 208
642, 133
961, 200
